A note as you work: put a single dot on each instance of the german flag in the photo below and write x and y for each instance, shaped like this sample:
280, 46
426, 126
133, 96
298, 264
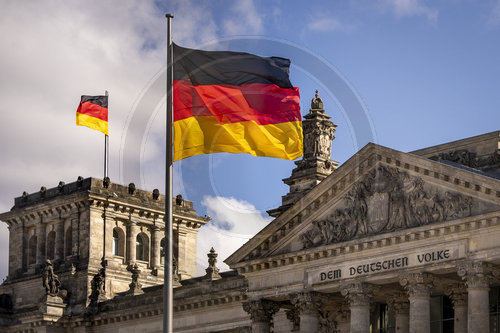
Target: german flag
234, 102
93, 112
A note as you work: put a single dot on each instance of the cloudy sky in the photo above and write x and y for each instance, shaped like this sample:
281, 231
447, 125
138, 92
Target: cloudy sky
406, 74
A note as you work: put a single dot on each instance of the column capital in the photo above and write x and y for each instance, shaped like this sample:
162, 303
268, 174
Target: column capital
417, 284
399, 302
357, 294
476, 274
294, 317
457, 293
306, 302
261, 310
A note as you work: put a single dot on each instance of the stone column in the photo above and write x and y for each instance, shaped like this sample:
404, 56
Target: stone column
477, 276
41, 239
401, 307
418, 286
307, 304
344, 319
458, 295
261, 313
358, 295
131, 238
59, 250
155, 247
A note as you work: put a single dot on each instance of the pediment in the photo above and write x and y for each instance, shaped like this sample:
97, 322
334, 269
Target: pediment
379, 190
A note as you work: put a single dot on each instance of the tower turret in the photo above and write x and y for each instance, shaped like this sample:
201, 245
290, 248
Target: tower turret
316, 163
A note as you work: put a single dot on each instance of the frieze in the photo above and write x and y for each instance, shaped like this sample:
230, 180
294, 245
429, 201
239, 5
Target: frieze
386, 199
469, 159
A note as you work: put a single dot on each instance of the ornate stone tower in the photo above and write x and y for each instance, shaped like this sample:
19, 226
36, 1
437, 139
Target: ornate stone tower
94, 232
316, 163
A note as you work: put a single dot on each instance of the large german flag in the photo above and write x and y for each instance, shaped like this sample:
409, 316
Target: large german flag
234, 102
93, 112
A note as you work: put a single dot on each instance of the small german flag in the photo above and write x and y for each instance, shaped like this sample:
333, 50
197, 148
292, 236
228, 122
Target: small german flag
234, 102
93, 113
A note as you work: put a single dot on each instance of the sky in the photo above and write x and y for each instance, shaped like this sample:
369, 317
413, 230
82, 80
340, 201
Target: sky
406, 74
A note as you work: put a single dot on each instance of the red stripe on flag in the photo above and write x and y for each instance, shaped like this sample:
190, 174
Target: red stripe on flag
93, 110
259, 102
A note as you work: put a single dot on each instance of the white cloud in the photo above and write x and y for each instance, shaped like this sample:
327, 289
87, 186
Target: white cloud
243, 19
56, 51
494, 17
326, 24
233, 223
403, 8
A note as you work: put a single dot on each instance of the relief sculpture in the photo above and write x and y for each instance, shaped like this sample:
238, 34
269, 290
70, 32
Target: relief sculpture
385, 200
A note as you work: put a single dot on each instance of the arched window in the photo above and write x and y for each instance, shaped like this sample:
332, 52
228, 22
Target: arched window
32, 250
118, 242
51, 245
162, 251
142, 247
68, 242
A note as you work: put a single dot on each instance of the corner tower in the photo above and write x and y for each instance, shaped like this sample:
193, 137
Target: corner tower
316, 163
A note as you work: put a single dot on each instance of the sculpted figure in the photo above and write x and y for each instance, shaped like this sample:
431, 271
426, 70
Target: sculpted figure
51, 281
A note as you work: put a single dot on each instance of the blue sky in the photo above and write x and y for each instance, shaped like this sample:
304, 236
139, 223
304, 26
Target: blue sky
424, 72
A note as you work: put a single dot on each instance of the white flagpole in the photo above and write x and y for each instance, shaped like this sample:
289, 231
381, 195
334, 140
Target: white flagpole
168, 298
106, 146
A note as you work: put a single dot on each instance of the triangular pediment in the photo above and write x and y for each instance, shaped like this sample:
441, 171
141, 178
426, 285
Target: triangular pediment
378, 190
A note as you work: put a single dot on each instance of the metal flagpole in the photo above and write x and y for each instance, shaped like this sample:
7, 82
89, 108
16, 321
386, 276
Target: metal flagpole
168, 298
106, 146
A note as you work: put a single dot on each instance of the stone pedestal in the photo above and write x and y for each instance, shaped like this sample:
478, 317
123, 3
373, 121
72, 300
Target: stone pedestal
53, 306
359, 295
261, 313
477, 276
307, 304
418, 286
458, 295
401, 307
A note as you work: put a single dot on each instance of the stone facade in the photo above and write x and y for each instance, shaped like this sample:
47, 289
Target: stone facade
368, 246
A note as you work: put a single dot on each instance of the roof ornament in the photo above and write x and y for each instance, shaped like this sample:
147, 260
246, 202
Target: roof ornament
212, 270
317, 102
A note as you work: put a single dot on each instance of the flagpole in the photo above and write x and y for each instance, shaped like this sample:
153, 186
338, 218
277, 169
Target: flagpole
106, 147
167, 279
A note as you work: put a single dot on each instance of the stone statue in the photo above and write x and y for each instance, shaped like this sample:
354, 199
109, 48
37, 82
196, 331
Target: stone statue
51, 281
97, 287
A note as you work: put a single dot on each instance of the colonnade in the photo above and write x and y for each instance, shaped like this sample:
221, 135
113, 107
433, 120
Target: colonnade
470, 299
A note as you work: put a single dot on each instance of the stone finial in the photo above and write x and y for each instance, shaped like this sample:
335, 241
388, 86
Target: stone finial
50, 280
212, 270
25, 196
106, 182
60, 186
317, 102
131, 188
43, 191
178, 200
79, 181
156, 194
135, 285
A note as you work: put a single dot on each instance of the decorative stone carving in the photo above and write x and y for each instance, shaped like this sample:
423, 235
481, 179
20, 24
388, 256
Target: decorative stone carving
457, 294
131, 188
294, 317
327, 319
309, 302
79, 181
399, 302
135, 285
106, 182
212, 270
97, 287
156, 194
357, 293
60, 186
417, 284
175, 273
470, 159
385, 200
476, 274
179, 200
261, 310
50, 280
